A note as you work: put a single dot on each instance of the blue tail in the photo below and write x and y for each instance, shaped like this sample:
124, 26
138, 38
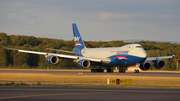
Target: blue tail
77, 38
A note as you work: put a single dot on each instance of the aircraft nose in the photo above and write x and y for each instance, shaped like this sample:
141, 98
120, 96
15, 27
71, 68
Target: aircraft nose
142, 53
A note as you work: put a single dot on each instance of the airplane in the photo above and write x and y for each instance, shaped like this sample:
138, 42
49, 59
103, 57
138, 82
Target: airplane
101, 58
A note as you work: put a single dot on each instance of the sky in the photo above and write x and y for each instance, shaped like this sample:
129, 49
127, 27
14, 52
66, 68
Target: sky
97, 20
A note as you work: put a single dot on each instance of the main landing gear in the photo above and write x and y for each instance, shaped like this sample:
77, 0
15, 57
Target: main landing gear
122, 69
110, 70
99, 69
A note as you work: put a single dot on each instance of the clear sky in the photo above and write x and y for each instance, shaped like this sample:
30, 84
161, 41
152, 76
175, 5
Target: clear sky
97, 20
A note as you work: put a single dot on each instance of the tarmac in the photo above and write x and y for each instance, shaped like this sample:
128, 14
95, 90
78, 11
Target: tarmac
86, 94
161, 74
38, 93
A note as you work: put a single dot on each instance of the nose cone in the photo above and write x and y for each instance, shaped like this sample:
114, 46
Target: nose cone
143, 53
140, 52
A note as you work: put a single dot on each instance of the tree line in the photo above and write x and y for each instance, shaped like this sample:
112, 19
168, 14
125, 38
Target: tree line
14, 59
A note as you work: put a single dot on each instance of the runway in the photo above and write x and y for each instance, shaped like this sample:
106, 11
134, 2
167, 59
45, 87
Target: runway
161, 74
86, 94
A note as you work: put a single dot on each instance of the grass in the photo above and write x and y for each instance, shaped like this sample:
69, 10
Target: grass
14, 84
74, 80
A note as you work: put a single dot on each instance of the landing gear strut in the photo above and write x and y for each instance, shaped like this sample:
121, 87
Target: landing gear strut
137, 69
122, 71
109, 70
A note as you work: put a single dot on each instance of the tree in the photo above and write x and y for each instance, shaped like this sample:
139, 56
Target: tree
3, 58
19, 59
17, 40
4, 40
31, 40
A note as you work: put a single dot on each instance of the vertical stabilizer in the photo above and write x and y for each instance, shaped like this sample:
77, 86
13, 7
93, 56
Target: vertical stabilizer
79, 44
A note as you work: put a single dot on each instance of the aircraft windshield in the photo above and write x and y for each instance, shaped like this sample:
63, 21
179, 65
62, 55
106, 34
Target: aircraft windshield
138, 46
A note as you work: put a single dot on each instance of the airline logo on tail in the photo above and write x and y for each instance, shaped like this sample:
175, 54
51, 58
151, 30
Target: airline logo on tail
78, 43
76, 38
122, 57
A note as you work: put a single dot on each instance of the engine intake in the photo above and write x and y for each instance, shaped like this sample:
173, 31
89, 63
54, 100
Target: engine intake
52, 59
159, 64
145, 66
84, 63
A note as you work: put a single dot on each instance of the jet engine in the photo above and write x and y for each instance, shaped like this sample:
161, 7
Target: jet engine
52, 59
84, 63
159, 64
145, 66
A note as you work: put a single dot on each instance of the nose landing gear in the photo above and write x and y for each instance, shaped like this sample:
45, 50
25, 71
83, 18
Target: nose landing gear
136, 71
137, 68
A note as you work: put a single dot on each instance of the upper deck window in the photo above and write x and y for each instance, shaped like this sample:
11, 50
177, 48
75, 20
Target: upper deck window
138, 46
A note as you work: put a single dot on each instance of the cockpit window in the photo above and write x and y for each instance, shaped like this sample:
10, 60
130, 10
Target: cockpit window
138, 46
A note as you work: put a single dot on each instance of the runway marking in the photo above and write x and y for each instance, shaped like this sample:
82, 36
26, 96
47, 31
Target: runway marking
24, 96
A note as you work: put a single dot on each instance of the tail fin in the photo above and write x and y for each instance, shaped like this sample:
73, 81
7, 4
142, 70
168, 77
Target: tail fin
77, 38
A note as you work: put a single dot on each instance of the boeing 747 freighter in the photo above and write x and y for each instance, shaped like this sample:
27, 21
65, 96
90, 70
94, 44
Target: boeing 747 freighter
104, 58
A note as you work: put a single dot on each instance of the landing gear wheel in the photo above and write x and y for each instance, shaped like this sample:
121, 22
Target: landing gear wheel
92, 70
136, 71
100, 70
110, 70
122, 71
97, 70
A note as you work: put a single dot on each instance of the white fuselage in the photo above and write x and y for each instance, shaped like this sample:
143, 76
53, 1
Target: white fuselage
131, 49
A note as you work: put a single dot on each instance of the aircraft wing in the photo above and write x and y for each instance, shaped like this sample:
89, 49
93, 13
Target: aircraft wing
157, 58
45, 53
103, 60
62, 51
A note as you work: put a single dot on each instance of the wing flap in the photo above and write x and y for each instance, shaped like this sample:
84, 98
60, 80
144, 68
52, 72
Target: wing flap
62, 51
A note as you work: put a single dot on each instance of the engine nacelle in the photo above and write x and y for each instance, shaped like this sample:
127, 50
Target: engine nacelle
84, 63
52, 59
145, 66
159, 64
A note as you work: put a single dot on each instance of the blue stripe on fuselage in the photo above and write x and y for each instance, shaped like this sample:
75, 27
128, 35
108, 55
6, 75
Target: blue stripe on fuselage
124, 60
